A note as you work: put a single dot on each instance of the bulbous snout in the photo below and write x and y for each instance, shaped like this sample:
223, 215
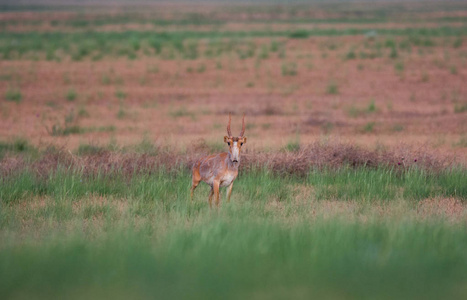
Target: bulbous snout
235, 153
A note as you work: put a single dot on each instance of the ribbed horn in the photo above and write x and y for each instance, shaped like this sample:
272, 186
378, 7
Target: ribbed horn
243, 125
228, 127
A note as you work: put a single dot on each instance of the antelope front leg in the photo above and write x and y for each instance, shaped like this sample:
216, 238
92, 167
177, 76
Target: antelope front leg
216, 192
229, 192
194, 184
191, 193
211, 193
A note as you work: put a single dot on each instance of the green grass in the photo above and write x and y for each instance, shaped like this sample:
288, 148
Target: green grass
330, 257
289, 69
71, 94
393, 54
146, 146
69, 129
332, 88
182, 112
120, 94
369, 127
343, 184
457, 43
399, 67
13, 95
462, 142
184, 44
355, 112
82, 112
15, 146
293, 146
201, 68
89, 149
264, 52
371, 108
350, 54
122, 113
79, 236
370, 185
299, 34
59, 130
397, 127
460, 108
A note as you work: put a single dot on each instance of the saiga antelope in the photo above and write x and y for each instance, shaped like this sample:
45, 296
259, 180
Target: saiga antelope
220, 170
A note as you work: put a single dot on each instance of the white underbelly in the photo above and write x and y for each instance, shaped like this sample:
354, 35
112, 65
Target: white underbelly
209, 180
228, 179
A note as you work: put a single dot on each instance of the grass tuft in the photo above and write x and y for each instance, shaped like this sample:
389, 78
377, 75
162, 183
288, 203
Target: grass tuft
71, 94
13, 95
332, 88
289, 69
17, 146
460, 108
299, 34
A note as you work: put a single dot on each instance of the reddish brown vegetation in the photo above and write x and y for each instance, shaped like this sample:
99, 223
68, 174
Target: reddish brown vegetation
317, 155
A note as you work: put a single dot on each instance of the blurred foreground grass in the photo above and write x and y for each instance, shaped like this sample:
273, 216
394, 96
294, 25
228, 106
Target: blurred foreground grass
347, 233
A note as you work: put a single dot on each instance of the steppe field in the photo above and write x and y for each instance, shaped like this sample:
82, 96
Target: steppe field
352, 185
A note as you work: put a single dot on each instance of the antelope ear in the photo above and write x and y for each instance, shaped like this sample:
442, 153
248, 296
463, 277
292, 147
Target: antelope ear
226, 139
244, 140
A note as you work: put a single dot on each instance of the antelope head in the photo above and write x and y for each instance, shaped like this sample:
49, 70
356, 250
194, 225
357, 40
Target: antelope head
235, 143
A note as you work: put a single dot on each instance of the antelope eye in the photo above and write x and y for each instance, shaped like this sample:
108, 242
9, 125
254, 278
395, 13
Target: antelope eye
241, 144
228, 143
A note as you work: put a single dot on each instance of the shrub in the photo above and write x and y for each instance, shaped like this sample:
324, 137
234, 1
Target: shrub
399, 67
289, 69
19, 145
457, 43
299, 34
264, 53
397, 127
350, 54
369, 127
371, 107
58, 130
120, 94
332, 88
460, 108
88, 149
14, 95
82, 112
394, 53
71, 95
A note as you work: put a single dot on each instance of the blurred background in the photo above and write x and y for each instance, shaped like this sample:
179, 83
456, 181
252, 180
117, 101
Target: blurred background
353, 184
123, 74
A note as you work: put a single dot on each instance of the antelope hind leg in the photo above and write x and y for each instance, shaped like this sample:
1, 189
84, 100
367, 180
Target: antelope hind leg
216, 192
211, 193
229, 192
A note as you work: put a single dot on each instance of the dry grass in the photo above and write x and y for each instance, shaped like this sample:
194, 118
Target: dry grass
318, 155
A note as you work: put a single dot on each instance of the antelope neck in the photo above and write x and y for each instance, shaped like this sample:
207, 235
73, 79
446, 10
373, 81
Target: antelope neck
232, 165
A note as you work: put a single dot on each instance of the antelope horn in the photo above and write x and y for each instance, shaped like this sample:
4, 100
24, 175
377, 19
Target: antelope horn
243, 125
228, 127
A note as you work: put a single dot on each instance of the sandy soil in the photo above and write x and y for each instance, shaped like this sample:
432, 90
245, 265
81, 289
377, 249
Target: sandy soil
178, 101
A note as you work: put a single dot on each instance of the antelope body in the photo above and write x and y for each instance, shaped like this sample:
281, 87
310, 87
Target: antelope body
220, 170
